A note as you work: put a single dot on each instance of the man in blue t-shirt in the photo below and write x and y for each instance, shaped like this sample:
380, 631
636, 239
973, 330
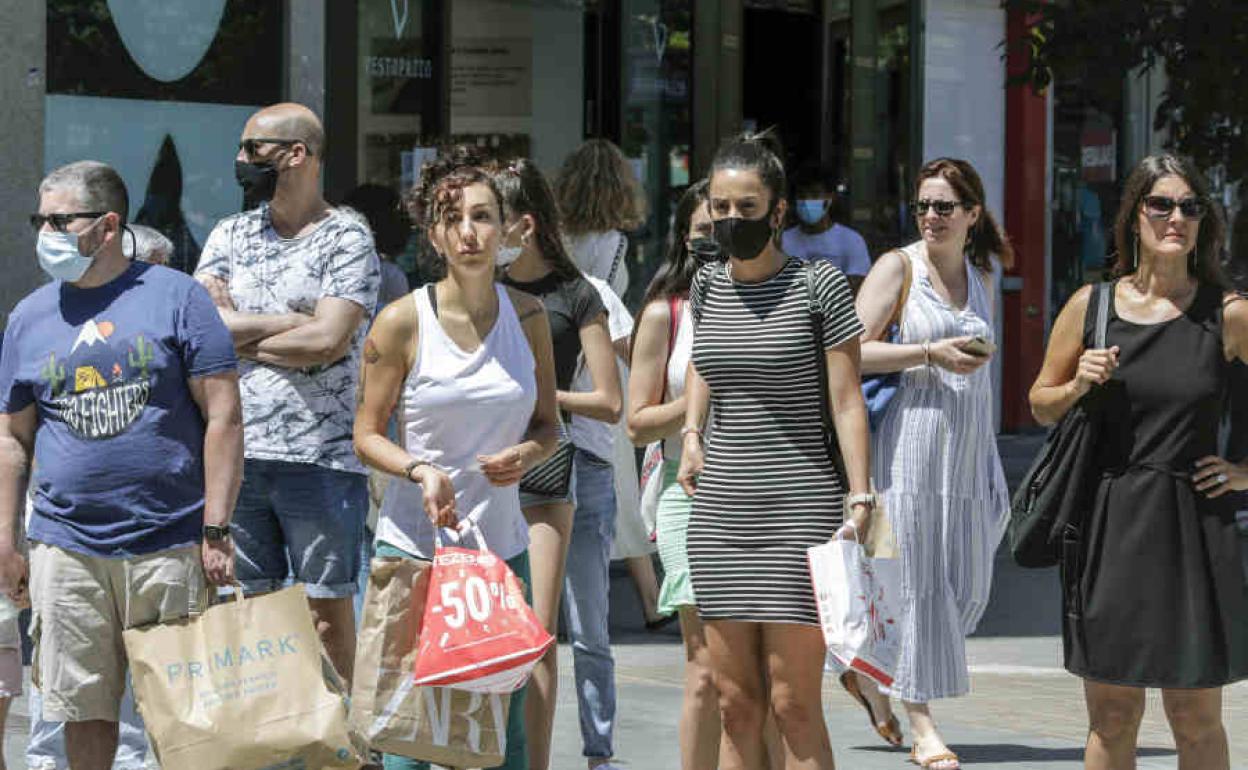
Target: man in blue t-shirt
818, 235
120, 378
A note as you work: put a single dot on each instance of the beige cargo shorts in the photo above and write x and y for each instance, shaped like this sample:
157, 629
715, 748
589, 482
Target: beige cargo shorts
81, 604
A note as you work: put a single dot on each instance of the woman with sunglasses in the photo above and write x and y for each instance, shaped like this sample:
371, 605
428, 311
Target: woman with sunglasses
934, 453
1154, 594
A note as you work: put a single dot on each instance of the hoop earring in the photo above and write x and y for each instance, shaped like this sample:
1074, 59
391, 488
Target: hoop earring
1135, 253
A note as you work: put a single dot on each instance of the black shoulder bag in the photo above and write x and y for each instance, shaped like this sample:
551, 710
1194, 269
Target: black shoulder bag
1054, 493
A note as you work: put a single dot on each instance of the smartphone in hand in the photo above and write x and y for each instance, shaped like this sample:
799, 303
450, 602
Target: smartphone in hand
980, 346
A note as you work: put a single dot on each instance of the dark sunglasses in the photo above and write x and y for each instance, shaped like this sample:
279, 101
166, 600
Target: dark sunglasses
942, 208
1162, 206
249, 146
61, 221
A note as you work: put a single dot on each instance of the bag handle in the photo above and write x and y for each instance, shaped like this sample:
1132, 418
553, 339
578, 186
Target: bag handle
821, 363
465, 526
1101, 319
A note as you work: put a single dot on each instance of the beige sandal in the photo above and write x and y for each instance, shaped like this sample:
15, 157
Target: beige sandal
927, 762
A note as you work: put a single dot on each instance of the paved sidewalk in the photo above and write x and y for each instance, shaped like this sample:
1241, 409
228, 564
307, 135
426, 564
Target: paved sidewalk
1024, 712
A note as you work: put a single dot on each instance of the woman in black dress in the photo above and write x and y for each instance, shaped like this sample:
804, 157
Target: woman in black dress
1154, 594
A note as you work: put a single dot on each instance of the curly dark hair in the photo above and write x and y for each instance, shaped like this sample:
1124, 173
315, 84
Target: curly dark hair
985, 237
441, 187
443, 180
1205, 262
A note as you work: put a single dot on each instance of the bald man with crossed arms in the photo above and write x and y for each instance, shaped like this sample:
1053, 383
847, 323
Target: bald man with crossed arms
295, 280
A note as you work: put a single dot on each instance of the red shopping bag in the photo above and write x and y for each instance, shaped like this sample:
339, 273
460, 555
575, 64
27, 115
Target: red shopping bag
478, 632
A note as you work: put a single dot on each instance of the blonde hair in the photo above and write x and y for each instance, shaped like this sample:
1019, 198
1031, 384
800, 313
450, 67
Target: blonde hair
598, 191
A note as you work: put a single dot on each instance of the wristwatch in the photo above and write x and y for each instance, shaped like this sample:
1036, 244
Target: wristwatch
215, 533
413, 465
862, 498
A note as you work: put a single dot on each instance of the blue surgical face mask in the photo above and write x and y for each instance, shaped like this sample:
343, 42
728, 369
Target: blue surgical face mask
810, 211
60, 257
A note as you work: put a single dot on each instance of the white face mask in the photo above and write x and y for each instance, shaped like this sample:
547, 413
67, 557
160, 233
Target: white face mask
60, 257
508, 254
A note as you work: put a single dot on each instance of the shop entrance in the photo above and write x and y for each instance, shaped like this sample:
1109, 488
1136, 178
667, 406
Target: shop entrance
782, 77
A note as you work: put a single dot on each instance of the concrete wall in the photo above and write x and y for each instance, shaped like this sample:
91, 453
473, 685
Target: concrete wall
21, 163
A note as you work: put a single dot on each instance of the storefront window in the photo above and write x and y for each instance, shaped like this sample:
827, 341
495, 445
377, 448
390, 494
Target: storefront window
1087, 175
397, 87
657, 126
160, 91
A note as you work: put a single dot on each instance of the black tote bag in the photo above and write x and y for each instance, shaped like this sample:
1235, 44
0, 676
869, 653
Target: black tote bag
1057, 487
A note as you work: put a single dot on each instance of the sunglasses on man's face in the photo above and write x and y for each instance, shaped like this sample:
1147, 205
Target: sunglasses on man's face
1162, 206
249, 146
61, 221
942, 208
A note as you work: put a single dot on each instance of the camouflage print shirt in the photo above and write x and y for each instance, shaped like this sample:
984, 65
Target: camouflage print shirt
297, 415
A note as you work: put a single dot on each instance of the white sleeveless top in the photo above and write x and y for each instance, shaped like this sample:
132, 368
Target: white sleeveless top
677, 366
457, 405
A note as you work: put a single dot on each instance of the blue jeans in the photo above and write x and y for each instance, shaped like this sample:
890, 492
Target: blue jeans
302, 521
586, 606
517, 744
46, 748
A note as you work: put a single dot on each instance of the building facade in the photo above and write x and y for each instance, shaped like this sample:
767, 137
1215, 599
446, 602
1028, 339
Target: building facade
867, 89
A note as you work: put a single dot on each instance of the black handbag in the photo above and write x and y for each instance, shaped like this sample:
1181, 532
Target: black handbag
1047, 507
552, 477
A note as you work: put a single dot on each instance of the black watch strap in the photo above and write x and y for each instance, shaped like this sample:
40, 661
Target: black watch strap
214, 533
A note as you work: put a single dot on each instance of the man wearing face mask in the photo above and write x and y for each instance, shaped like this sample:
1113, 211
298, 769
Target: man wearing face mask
818, 236
295, 281
120, 379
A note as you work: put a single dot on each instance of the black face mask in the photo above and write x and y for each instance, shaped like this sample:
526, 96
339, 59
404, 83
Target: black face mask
258, 180
705, 250
744, 239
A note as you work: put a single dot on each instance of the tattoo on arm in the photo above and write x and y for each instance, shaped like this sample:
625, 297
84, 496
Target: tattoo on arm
371, 354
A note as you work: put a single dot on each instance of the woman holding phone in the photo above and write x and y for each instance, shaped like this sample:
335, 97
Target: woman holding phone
934, 456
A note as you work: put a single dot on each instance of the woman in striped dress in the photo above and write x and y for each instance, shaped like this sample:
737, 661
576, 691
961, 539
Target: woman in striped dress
766, 489
935, 453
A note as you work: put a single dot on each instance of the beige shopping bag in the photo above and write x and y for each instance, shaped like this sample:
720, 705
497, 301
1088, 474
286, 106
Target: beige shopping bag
451, 727
244, 686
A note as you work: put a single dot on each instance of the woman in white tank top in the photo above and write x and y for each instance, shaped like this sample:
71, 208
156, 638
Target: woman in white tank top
467, 365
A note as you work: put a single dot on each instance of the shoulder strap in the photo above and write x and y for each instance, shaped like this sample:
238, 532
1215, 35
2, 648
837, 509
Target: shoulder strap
620, 250
1100, 321
904, 296
673, 328
433, 297
821, 367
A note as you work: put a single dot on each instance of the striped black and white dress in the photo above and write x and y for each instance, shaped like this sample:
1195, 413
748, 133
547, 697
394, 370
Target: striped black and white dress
768, 490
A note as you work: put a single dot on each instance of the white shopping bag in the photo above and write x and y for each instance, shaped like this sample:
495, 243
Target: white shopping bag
859, 599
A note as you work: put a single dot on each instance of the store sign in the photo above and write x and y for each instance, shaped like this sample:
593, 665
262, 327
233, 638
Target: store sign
492, 77
1098, 155
409, 67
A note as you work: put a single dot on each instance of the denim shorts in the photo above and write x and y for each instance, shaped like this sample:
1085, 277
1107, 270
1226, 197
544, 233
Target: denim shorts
300, 522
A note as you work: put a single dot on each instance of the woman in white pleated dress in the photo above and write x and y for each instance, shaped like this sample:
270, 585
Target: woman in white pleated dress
934, 454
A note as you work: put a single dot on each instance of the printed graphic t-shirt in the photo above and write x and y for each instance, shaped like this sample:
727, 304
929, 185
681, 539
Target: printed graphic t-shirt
840, 245
297, 415
119, 444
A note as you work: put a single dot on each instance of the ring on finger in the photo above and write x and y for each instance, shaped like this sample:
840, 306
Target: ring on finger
1221, 478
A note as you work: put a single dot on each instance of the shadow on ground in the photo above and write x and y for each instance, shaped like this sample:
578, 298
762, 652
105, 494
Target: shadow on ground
989, 753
